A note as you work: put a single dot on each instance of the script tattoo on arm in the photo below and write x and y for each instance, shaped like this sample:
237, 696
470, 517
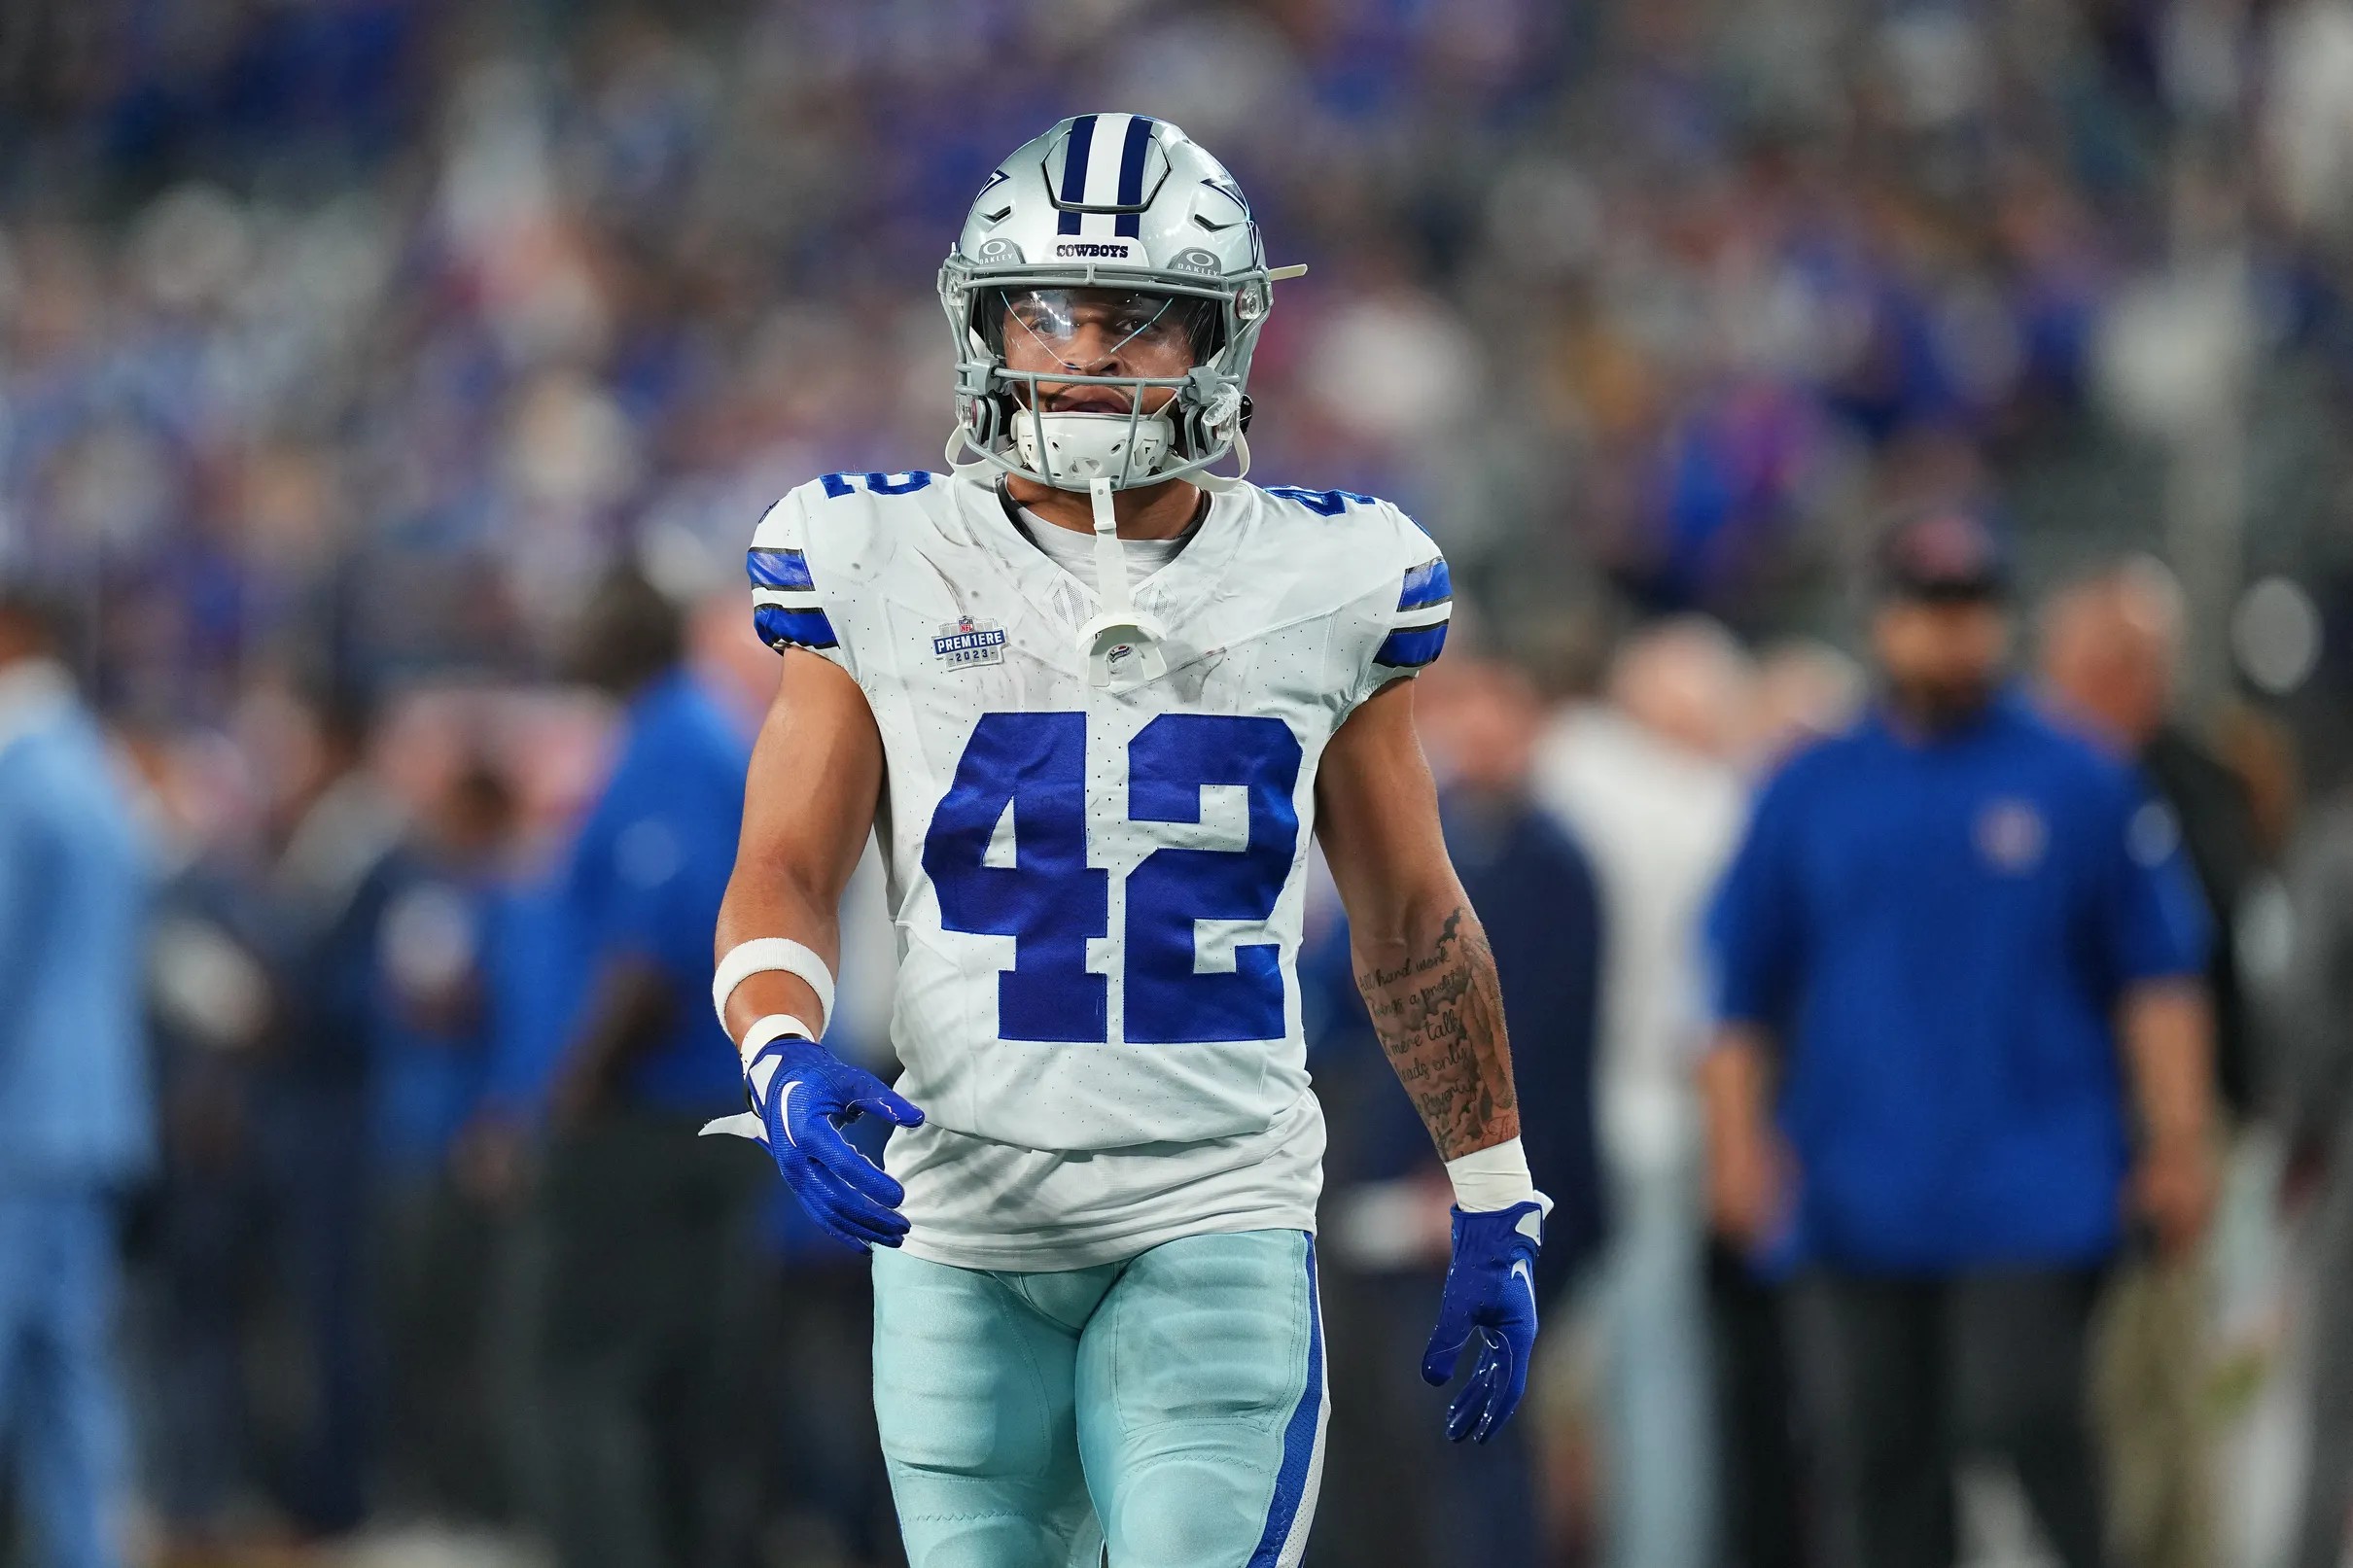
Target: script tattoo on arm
1438, 1012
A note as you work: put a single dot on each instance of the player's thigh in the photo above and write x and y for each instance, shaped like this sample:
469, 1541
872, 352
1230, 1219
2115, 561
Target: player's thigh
1201, 1403
973, 1404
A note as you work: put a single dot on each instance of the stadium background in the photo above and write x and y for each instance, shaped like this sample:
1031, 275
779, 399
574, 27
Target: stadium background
346, 345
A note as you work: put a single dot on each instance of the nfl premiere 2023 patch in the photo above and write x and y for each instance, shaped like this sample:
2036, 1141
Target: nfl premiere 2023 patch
965, 642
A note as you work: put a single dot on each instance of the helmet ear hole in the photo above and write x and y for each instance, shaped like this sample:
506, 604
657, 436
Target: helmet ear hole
1243, 425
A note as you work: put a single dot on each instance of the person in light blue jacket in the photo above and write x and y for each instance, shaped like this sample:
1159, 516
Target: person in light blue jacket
76, 1117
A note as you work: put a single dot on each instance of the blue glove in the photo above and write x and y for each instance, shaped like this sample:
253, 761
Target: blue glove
1491, 1291
814, 1092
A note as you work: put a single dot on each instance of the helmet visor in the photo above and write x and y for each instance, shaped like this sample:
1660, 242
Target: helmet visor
1084, 330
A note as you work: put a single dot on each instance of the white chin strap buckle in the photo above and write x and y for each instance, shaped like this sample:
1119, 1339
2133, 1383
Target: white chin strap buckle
1122, 644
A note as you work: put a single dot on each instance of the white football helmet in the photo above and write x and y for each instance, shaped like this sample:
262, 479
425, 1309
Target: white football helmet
1135, 212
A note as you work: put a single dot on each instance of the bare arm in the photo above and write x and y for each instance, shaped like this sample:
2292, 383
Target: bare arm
808, 806
1747, 1167
2169, 1039
1420, 955
2168, 1043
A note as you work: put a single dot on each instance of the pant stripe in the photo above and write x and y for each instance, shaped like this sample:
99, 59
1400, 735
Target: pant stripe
1293, 1508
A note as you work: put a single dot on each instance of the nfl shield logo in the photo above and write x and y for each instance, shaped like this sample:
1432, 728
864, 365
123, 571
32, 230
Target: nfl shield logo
965, 642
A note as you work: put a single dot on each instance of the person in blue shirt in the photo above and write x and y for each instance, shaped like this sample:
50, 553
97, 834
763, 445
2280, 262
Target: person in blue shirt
1962, 1055
652, 1233
76, 1116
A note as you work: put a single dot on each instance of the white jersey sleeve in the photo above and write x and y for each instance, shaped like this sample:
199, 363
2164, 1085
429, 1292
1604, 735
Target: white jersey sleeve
1400, 628
789, 608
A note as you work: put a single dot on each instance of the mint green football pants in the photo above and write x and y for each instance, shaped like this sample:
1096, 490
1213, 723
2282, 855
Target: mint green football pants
1172, 1405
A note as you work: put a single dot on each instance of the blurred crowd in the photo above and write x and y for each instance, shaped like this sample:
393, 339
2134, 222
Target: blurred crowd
388, 386
388, 322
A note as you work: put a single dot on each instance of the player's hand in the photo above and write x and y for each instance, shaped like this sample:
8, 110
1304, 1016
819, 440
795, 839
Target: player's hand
803, 1094
1491, 1295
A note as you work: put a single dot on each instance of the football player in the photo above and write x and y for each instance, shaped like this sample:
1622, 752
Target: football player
1093, 699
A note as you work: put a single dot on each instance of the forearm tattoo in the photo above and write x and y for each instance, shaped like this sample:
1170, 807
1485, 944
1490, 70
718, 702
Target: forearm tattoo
1439, 1015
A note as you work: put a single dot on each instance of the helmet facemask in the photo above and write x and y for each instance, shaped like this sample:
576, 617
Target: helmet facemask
1071, 329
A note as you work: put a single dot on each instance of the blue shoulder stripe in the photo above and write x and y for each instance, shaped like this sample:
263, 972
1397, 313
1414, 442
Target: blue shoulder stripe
777, 568
779, 627
1427, 584
1410, 650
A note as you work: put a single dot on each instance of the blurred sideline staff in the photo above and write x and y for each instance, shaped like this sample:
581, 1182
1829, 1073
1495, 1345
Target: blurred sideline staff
1410, 1496
263, 980
336, 828
1940, 934
649, 1233
1648, 781
440, 1235
74, 1111
2314, 1093
2111, 645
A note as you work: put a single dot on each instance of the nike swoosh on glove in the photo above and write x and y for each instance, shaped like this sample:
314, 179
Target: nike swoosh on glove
802, 1094
1491, 1293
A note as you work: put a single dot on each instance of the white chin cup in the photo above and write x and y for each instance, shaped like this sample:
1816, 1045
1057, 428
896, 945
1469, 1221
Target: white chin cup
1083, 447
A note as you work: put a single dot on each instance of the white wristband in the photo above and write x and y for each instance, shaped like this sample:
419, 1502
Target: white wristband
764, 954
1492, 1178
763, 1033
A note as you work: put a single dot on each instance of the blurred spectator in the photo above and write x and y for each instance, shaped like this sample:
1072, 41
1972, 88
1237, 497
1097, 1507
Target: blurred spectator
2110, 648
217, 1007
385, 319
1804, 690
335, 831
1648, 783
1414, 1498
444, 916
1942, 934
652, 1247
2314, 1096
74, 1113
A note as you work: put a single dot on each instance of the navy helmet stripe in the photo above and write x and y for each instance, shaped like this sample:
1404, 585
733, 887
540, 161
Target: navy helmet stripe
1410, 650
1299, 1438
778, 626
778, 568
1075, 150
1429, 584
1131, 174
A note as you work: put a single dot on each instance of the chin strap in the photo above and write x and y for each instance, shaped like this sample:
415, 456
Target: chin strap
1111, 561
1221, 482
1122, 644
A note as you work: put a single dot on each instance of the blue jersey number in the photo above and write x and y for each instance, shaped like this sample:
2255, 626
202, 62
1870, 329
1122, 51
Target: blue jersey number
1050, 901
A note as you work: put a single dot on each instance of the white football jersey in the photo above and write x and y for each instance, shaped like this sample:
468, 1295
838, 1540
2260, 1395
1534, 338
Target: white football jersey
1098, 892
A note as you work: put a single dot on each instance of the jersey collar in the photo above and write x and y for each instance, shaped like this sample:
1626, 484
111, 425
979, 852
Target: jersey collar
1041, 581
